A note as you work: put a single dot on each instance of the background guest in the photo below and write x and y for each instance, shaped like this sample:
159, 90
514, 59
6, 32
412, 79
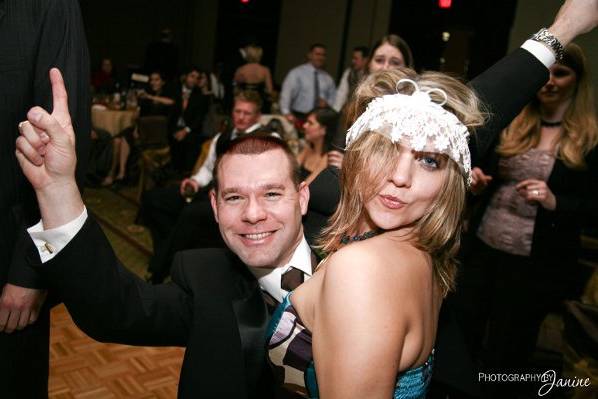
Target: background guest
255, 77
539, 189
306, 87
159, 99
104, 79
351, 76
186, 122
319, 128
389, 52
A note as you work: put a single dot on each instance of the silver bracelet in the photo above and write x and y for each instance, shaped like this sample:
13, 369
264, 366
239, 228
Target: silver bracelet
549, 40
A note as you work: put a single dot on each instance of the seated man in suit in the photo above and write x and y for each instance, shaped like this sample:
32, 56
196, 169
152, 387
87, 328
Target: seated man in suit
214, 306
166, 207
190, 109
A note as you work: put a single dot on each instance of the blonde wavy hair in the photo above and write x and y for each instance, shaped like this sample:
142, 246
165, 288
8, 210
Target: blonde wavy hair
253, 53
580, 128
372, 157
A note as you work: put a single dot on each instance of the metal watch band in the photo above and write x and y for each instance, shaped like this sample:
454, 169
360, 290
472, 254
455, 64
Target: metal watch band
549, 40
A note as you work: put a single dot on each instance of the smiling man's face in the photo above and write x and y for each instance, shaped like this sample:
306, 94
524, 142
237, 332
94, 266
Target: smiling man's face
259, 208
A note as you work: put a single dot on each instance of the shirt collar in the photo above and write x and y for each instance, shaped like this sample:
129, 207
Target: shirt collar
301, 258
311, 67
249, 130
269, 279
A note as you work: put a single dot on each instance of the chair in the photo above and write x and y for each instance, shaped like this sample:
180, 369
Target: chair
155, 149
205, 149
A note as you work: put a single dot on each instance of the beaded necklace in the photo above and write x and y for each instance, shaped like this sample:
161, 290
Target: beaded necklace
359, 237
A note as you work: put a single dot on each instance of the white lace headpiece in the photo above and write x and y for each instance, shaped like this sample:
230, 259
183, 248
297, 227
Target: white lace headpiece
418, 122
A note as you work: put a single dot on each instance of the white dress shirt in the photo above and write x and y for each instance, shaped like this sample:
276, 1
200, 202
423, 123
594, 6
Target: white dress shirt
342, 91
204, 174
269, 279
50, 242
297, 93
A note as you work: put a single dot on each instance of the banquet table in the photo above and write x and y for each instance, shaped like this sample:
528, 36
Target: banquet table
111, 120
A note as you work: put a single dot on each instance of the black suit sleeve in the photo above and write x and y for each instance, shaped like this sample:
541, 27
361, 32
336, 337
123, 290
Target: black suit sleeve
505, 88
61, 44
198, 105
582, 206
108, 302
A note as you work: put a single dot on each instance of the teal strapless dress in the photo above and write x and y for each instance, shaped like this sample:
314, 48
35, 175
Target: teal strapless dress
290, 355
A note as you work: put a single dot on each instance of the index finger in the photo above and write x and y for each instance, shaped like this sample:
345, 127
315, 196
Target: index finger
524, 183
59, 96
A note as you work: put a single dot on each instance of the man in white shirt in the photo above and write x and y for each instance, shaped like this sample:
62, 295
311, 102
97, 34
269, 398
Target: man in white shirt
214, 307
307, 86
351, 76
162, 208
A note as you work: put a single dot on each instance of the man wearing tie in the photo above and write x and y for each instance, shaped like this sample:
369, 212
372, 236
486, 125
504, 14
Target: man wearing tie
307, 87
214, 306
182, 208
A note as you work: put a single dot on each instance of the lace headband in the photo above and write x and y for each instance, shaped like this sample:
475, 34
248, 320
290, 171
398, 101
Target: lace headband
418, 122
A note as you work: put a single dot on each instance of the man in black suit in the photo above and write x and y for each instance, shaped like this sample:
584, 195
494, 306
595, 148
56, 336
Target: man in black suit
191, 107
34, 35
176, 224
214, 306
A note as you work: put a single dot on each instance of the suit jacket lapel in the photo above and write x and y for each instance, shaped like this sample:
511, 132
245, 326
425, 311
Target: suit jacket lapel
252, 320
2, 9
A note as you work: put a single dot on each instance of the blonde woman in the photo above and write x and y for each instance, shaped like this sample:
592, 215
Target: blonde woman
254, 76
364, 325
539, 189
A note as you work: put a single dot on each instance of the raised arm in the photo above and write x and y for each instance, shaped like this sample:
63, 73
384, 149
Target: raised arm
106, 300
511, 83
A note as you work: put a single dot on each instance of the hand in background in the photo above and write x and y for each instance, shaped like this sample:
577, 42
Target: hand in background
335, 158
188, 183
181, 134
537, 191
19, 307
479, 180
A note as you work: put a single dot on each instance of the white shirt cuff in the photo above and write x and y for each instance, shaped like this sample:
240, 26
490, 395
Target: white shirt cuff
540, 51
50, 242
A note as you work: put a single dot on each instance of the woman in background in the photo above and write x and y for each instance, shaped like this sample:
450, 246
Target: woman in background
157, 101
390, 52
319, 129
540, 187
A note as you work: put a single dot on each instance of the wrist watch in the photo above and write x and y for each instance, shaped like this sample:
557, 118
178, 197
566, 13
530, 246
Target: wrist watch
549, 40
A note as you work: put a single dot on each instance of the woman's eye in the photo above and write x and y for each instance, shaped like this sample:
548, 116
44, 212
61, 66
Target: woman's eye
379, 60
560, 74
430, 162
396, 62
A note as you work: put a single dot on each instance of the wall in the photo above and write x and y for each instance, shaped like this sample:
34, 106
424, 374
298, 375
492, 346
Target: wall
123, 29
303, 22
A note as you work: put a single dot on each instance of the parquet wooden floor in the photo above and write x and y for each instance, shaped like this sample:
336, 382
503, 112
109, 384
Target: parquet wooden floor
85, 369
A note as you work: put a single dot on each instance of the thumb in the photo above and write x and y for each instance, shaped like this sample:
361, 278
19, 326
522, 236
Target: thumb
43, 121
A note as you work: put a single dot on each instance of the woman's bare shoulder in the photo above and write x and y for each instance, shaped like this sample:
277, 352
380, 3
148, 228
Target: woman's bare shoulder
376, 264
